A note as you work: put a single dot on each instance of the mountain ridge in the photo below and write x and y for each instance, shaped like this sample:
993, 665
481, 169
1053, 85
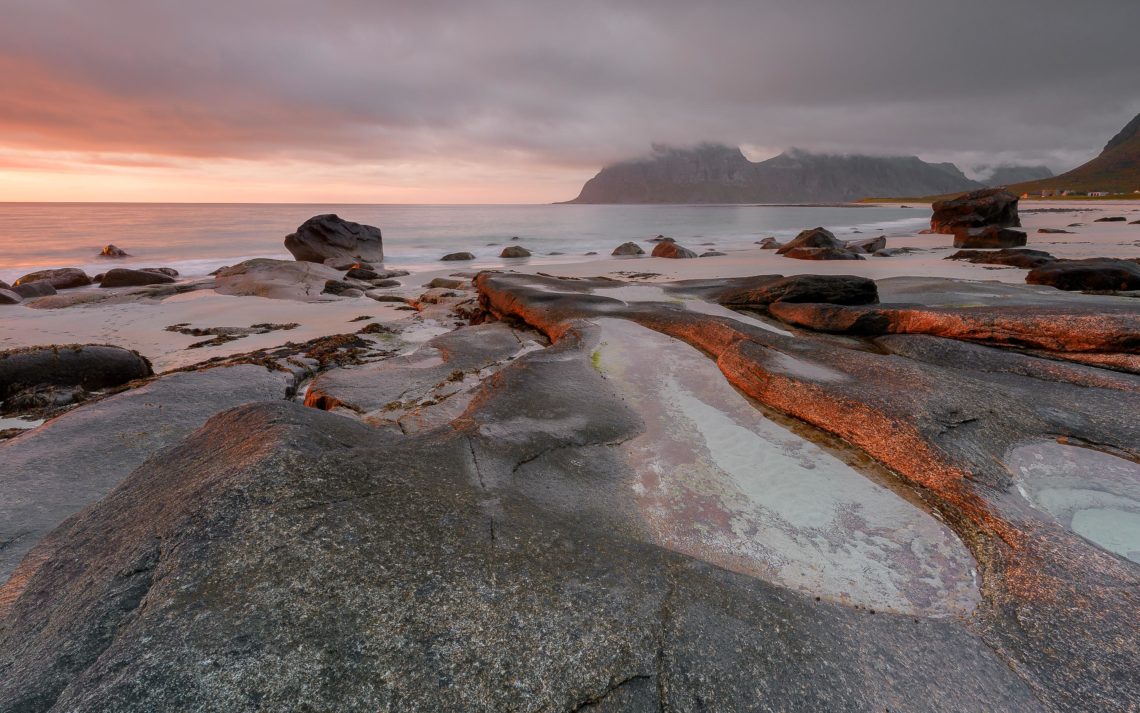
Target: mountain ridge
716, 173
1116, 169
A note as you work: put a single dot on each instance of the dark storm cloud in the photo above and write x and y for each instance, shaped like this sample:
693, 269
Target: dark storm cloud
572, 84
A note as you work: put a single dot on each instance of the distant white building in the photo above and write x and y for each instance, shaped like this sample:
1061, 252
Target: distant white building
1098, 194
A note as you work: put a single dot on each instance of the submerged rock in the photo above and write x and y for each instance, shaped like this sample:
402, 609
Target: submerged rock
712, 253
112, 251
629, 248
124, 277
987, 207
325, 237
1111, 219
61, 279
1054, 231
1091, 274
456, 257
512, 251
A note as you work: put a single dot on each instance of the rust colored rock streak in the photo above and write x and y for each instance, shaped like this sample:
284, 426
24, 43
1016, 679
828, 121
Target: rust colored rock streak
1055, 329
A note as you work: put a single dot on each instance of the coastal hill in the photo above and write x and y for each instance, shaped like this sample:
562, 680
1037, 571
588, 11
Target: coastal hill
1116, 169
715, 173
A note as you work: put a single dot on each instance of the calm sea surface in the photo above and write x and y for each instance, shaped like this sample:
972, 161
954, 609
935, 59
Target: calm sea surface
197, 238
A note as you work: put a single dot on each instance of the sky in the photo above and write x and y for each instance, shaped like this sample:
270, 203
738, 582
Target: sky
434, 101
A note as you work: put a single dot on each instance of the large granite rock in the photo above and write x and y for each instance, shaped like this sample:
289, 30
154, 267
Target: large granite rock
61, 279
275, 279
125, 277
8, 297
868, 246
812, 238
977, 209
325, 237
1092, 274
991, 236
762, 291
50, 473
671, 249
90, 366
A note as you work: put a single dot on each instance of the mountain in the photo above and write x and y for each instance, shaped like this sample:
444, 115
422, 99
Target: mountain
714, 173
1116, 169
1005, 175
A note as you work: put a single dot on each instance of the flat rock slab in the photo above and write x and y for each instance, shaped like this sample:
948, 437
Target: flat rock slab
719, 481
50, 473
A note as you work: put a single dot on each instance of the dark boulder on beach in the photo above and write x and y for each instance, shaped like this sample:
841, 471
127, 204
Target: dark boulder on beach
125, 277
822, 254
812, 238
325, 237
629, 248
990, 206
1012, 257
90, 366
761, 291
670, 249
991, 236
457, 257
39, 288
1098, 273
8, 297
769, 243
362, 273
112, 251
514, 251
1111, 219
61, 279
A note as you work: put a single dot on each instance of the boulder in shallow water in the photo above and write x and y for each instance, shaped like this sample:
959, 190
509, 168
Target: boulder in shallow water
457, 257
1111, 219
989, 206
28, 290
812, 238
325, 237
629, 248
8, 297
61, 279
991, 236
125, 277
671, 249
515, 251
112, 251
1054, 231
1098, 273
770, 243
821, 254
168, 271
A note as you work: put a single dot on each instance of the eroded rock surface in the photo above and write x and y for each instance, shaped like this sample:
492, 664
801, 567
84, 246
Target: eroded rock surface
330, 237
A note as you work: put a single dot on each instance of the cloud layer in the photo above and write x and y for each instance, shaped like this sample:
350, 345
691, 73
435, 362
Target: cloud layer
529, 97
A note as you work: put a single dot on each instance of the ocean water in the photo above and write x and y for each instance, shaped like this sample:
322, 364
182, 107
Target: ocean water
198, 238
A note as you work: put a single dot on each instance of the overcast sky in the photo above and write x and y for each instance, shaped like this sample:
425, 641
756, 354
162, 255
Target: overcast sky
439, 101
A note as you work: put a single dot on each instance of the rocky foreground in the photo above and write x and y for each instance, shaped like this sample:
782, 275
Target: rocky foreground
761, 493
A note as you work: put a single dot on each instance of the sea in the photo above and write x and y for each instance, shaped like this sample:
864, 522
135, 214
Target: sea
196, 239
